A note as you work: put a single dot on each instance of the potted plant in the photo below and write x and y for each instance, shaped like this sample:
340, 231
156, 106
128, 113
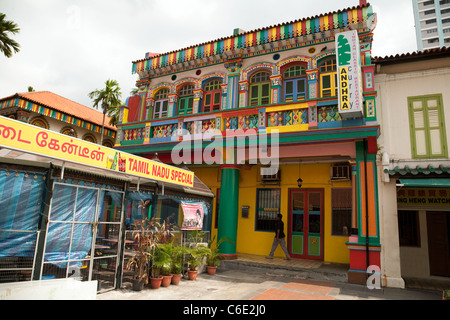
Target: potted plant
161, 265
161, 259
139, 262
196, 255
213, 256
147, 235
177, 263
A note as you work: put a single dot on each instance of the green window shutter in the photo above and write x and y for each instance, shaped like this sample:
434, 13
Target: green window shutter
181, 105
427, 127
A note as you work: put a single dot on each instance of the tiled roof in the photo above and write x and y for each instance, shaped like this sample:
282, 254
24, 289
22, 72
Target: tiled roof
64, 105
429, 170
417, 55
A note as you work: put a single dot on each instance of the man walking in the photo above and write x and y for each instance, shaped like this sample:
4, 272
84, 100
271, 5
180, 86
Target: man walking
279, 239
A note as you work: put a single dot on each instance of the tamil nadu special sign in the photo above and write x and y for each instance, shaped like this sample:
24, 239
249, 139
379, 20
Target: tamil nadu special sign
28, 138
349, 75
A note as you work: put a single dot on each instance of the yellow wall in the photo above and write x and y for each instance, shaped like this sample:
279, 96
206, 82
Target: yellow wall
315, 176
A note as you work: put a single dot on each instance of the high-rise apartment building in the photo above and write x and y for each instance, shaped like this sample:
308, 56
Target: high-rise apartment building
432, 18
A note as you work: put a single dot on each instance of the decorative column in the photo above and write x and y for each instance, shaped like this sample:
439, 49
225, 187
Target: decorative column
173, 99
312, 83
364, 245
198, 95
243, 93
275, 88
228, 210
224, 102
150, 104
234, 74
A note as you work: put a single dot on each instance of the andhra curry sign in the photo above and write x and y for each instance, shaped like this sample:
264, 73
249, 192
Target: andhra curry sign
20, 136
349, 75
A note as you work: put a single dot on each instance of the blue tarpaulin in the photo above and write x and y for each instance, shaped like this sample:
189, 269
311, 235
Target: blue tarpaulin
21, 198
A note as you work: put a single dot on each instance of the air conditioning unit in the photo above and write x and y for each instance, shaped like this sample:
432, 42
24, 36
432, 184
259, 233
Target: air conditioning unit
270, 175
341, 171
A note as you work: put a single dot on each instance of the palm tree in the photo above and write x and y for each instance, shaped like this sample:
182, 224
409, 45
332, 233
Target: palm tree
113, 113
108, 98
6, 43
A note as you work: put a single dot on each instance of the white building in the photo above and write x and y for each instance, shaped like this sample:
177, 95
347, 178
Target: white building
432, 18
414, 165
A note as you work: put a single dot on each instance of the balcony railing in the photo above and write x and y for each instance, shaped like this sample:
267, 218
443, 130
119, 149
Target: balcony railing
287, 118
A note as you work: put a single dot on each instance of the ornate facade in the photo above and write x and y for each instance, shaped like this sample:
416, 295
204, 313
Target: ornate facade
274, 90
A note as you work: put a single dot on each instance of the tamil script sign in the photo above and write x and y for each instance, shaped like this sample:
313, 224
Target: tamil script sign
31, 139
349, 75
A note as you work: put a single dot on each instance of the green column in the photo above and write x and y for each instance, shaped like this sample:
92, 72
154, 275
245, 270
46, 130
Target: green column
228, 210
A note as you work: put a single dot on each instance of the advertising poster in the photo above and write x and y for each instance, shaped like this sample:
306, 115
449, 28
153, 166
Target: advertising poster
193, 216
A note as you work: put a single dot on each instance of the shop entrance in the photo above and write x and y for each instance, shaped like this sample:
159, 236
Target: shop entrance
305, 233
83, 234
438, 225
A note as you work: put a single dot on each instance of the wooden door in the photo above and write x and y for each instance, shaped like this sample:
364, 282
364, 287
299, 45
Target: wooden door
305, 231
438, 243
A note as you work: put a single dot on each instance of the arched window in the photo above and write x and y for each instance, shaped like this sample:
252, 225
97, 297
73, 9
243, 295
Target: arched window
108, 144
259, 90
295, 83
161, 104
89, 137
328, 78
185, 99
40, 122
69, 131
212, 96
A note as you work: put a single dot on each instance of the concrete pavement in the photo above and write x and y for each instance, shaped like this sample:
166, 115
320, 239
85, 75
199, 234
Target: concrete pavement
238, 284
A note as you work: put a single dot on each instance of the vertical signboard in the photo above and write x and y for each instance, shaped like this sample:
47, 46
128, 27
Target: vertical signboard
349, 75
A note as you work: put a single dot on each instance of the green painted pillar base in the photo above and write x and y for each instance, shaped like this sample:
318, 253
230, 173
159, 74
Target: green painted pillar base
228, 210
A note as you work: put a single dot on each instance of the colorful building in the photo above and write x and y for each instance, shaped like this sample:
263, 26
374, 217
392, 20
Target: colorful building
281, 119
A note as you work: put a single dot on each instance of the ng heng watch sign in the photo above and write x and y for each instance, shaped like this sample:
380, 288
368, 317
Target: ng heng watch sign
349, 75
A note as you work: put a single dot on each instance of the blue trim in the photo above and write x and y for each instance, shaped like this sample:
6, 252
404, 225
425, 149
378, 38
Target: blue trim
162, 123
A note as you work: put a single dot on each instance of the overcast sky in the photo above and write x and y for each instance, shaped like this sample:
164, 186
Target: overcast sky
71, 47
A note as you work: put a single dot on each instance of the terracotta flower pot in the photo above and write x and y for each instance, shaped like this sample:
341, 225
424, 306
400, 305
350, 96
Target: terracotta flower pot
176, 278
155, 283
211, 270
192, 274
166, 281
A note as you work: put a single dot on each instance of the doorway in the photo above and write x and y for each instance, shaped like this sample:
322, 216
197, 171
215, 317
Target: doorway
438, 225
305, 233
83, 235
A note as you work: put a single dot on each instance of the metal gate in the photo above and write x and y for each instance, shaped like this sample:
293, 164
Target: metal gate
83, 234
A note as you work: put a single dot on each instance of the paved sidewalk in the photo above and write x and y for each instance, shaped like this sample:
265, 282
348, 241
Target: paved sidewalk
229, 284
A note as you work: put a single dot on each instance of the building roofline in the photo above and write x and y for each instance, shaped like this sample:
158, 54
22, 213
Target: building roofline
155, 55
27, 96
413, 56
